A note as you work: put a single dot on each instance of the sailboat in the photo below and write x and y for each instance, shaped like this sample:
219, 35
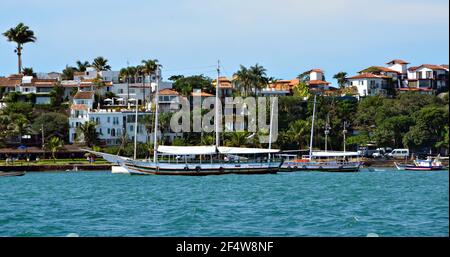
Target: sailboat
340, 161
199, 160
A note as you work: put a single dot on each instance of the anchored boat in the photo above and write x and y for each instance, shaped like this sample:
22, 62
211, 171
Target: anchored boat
342, 161
428, 164
198, 160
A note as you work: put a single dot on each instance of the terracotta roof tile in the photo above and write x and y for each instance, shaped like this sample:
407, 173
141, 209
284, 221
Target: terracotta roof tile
317, 82
168, 91
397, 61
84, 95
368, 76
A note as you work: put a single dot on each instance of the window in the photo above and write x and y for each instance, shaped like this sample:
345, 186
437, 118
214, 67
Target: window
113, 132
109, 131
429, 75
97, 120
109, 119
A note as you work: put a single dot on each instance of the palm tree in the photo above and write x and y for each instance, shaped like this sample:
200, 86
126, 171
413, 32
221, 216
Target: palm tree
101, 64
340, 77
53, 145
149, 68
298, 131
81, 66
21, 34
242, 78
258, 77
87, 133
237, 138
126, 74
67, 73
28, 72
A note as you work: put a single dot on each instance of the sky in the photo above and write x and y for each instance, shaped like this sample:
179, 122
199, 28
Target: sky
287, 37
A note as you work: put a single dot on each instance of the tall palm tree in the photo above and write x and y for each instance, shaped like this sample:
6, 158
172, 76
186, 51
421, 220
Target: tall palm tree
258, 77
81, 66
53, 145
149, 68
87, 133
341, 78
67, 73
101, 64
126, 74
298, 131
20, 34
243, 79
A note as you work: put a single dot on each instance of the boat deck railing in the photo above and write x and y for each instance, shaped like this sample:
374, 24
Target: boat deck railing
213, 161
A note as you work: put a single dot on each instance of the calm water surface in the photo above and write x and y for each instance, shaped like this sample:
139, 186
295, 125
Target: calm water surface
388, 203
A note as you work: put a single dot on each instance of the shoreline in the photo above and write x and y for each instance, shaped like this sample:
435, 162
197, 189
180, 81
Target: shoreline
43, 168
369, 163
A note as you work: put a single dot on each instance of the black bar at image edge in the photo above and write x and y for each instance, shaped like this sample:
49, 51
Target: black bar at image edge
224, 246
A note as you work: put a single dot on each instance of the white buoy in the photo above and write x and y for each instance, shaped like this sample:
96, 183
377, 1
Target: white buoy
372, 235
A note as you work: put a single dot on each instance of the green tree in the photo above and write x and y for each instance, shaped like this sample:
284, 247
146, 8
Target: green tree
341, 78
237, 139
68, 72
81, 66
101, 64
54, 124
53, 145
301, 90
88, 134
298, 133
57, 95
185, 85
28, 72
149, 68
21, 34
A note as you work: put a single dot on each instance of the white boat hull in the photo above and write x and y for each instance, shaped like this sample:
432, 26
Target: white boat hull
119, 170
197, 169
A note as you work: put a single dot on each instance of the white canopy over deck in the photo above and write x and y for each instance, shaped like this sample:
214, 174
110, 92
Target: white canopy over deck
243, 150
334, 154
199, 150
186, 150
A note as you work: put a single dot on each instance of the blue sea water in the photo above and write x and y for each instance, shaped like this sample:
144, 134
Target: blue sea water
387, 203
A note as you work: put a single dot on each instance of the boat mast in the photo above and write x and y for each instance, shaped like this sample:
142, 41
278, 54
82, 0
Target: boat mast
135, 128
216, 119
312, 128
344, 131
155, 139
327, 131
270, 129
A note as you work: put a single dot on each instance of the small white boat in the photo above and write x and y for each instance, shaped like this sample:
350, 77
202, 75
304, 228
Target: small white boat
428, 164
119, 170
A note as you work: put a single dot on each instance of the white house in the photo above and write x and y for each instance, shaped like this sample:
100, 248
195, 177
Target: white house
369, 84
428, 76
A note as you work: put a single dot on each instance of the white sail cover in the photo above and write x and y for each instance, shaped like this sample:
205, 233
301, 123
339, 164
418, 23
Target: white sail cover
187, 150
334, 154
243, 150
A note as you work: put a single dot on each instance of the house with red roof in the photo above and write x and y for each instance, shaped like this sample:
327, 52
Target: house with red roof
369, 84
428, 76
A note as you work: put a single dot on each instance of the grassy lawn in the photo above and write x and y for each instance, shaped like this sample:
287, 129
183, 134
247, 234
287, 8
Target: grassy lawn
98, 161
